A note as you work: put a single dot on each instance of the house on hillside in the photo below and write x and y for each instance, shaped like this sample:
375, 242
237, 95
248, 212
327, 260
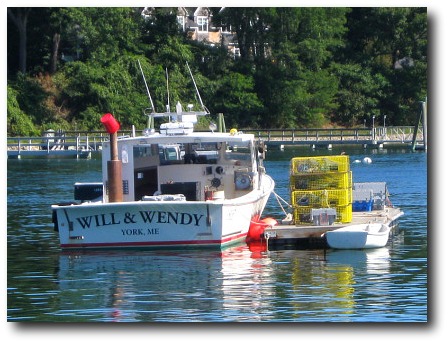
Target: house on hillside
198, 23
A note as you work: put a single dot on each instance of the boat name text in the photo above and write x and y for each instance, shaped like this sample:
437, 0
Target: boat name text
146, 217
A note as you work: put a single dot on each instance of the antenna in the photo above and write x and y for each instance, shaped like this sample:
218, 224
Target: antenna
167, 91
197, 91
147, 89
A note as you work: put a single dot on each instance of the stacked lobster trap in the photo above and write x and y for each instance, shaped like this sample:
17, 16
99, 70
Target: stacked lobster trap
321, 189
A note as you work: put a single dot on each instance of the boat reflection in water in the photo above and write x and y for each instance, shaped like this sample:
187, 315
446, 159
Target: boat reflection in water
135, 285
240, 283
323, 279
373, 260
349, 265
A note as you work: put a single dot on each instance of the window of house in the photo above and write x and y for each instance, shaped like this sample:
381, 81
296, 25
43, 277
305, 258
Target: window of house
236, 53
202, 23
181, 21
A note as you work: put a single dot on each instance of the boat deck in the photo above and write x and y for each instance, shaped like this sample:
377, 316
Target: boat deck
310, 236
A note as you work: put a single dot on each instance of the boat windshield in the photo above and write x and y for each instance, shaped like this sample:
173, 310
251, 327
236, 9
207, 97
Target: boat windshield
239, 151
196, 153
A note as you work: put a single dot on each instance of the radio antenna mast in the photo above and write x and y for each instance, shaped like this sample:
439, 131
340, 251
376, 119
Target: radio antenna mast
167, 91
147, 89
197, 91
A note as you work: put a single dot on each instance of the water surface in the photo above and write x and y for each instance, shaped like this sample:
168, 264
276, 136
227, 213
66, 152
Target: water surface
239, 284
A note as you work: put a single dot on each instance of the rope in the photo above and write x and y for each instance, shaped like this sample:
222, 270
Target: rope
278, 197
325, 200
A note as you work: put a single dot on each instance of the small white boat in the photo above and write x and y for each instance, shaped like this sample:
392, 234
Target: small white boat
173, 188
360, 236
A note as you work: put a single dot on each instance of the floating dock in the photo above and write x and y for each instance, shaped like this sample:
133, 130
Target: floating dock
283, 236
324, 198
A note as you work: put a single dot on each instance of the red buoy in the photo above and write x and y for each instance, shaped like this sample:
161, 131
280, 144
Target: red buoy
257, 227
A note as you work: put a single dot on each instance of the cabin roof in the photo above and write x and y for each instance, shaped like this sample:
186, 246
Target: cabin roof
194, 137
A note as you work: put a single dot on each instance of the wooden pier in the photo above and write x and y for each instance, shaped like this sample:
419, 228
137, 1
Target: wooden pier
38, 147
284, 236
377, 137
56, 145
78, 144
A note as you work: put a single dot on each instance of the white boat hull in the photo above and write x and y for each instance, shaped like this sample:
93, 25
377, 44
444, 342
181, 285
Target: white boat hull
214, 223
362, 236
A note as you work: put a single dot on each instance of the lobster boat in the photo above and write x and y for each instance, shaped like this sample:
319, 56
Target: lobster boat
171, 188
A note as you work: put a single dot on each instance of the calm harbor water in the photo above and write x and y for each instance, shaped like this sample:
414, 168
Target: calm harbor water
239, 284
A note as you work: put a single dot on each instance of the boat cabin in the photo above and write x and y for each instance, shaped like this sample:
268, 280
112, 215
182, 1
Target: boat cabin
194, 166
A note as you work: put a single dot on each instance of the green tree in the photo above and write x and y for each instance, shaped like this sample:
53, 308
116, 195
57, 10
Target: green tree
93, 90
299, 67
360, 93
37, 30
19, 17
392, 42
237, 100
105, 32
295, 80
18, 122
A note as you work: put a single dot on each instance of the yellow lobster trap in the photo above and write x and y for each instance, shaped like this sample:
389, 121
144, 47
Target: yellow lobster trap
320, 164
322, 198
319, 183
303, 214
308, 182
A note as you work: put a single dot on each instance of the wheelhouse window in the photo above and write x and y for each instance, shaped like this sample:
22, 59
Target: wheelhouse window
145, 155
240, 152
142, 151
170, 154
205, 153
